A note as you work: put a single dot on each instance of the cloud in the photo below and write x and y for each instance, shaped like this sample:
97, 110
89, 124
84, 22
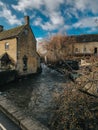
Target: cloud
82, 5
55, 22
51, 11
54, 15
23, 5
7, 14
50, 5
53, 5
89, 22
38, 21
39, 39
56, 18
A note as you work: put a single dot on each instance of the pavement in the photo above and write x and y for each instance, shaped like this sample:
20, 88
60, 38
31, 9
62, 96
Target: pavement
6, 123
13, 113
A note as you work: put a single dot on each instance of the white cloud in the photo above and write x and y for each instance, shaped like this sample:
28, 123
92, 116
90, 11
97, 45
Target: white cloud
56, 19
1, 4
81, 5
89, 22
70, 12
51, 11
84, 5
47, 26
36, 4
80, 9
53, 5
7, 14
37, 21
39, 39
23, 5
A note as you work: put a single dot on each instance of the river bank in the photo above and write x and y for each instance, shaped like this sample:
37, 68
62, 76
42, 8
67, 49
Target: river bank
35, 96
18, 117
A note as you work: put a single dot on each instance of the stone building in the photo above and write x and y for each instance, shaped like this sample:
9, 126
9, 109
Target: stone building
83, 45
18, 49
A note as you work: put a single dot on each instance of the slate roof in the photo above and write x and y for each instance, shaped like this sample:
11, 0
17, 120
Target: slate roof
11, 33
87, 38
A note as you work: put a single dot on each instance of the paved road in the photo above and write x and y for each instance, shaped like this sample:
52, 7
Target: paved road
6, 123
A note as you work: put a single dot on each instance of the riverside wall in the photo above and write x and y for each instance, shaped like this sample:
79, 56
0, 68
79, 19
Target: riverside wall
25, 123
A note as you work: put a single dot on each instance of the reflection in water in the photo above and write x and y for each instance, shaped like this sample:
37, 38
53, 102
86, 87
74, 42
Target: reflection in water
36, 95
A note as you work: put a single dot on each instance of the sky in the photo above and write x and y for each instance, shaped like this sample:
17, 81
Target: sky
50, 17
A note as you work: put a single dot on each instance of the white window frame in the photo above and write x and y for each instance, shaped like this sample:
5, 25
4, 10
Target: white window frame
6, 46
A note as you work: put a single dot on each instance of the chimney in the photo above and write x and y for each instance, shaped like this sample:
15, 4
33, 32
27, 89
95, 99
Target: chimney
26, 18
1, 28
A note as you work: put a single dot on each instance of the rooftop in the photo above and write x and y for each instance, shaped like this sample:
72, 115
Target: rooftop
11, 33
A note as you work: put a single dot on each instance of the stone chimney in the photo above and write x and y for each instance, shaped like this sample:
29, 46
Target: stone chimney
1, 28
26, 18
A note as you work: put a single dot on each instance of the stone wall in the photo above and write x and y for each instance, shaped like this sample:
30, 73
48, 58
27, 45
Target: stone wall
85, 48
12, 51
27, 47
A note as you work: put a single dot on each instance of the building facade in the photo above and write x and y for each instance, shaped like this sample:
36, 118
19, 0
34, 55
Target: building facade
83, 45
18, 49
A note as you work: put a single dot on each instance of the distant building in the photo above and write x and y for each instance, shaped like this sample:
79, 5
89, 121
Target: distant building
18, 49
83, 45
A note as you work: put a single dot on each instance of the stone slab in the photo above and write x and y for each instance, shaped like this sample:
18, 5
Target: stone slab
18, 117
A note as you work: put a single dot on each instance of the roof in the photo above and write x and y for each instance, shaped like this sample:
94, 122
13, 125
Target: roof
87, 38
11, 33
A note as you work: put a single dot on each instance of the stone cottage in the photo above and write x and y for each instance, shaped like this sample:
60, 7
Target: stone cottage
18, 49
83, 45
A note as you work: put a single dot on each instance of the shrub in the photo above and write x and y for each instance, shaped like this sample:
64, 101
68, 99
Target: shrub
75, 111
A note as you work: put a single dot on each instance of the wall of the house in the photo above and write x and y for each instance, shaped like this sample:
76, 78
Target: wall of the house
85, 48
27, 46
69, 48
12, 51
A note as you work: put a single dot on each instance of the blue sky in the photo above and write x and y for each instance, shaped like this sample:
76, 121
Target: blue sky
48, 17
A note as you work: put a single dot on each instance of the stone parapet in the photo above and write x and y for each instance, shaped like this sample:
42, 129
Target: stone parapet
25, 123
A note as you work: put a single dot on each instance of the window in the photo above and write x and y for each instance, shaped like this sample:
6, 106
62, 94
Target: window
84, 49
76, 50
7, 46
26, 31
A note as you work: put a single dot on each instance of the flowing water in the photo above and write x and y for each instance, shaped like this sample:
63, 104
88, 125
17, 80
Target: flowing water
36, 95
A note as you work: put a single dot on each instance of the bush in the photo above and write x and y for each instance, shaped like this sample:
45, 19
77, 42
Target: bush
75, 111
